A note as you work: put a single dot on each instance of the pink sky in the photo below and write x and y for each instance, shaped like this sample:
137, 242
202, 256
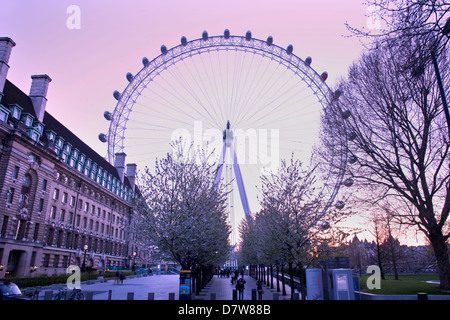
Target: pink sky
87, 65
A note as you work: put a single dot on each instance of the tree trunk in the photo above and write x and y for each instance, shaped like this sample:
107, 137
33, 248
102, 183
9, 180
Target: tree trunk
438, 242
291, 275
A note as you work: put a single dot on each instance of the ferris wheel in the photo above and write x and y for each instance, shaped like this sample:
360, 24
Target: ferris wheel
271, 99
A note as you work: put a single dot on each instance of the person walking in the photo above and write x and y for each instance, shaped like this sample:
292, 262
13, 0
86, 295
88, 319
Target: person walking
259, 289
240, 287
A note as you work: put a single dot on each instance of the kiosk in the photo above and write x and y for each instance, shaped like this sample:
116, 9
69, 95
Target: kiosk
341, 284
185, 285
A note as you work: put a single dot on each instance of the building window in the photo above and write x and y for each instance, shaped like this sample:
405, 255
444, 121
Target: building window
44, 185
10, 197
78, 220
53, 213
72, 201
62, 215
86, 206
4, 226
84, 222
65, 261
33, 259
36, 232
59, 239
46, 260
15, 172
50, 235
92, 209
80, 204
64, 197
41, 205
56, 194
70, 218
56, 261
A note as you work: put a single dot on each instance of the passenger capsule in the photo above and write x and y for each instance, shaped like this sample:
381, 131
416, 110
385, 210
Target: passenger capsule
129, 77
183, 40
308, 61
269, 41
116, 95
352, 136
348, 182
346, 114
289, 49
352, 159
248, 35
205, 35
102, 137
107, 115
163, 49
324, 76
340, 205
226, 34
145, 61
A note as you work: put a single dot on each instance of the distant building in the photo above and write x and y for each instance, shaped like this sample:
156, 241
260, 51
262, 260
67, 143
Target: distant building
60, 202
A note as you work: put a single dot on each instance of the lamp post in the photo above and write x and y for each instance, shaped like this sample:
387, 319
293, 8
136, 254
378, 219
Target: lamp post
83, 266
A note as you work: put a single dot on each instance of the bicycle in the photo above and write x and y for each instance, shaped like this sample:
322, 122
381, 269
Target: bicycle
76, 295
61, 295
33, 293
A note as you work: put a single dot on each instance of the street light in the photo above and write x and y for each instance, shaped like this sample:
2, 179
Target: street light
83, 266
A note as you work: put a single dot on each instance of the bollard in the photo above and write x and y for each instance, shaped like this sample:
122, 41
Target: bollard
48, 295
213, 296
109, 294
151, 296
422, 296
89, 295
171, 296
234, 294
253, 294
130, 296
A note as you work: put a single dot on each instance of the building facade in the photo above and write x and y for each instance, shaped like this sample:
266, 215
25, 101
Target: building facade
61, 203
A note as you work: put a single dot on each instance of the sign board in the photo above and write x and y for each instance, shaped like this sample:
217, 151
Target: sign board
185, 285
314, 284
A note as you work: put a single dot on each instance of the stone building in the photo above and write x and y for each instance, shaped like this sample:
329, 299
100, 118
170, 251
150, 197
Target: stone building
60, 202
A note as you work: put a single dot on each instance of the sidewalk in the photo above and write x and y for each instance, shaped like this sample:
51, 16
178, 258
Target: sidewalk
164, 286
160, 285
223, 289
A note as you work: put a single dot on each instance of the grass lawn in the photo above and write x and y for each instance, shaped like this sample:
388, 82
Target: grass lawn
407, 284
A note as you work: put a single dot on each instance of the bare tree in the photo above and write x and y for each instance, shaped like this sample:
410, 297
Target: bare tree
399, 136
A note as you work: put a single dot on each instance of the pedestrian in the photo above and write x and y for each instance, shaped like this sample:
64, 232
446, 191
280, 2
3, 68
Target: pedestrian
240, 288
122, 277
116, 279
259, 288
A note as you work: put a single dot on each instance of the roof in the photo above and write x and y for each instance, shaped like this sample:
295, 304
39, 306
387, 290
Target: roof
13, 95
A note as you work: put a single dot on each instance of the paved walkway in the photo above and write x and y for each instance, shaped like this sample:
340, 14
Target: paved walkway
166, 287
223, 290
160, 285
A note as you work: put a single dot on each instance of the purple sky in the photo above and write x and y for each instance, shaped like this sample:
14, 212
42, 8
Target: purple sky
88, 64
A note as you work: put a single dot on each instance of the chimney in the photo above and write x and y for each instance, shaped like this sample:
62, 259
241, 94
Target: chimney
131, 174
119, 163
38, 94
6, 45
